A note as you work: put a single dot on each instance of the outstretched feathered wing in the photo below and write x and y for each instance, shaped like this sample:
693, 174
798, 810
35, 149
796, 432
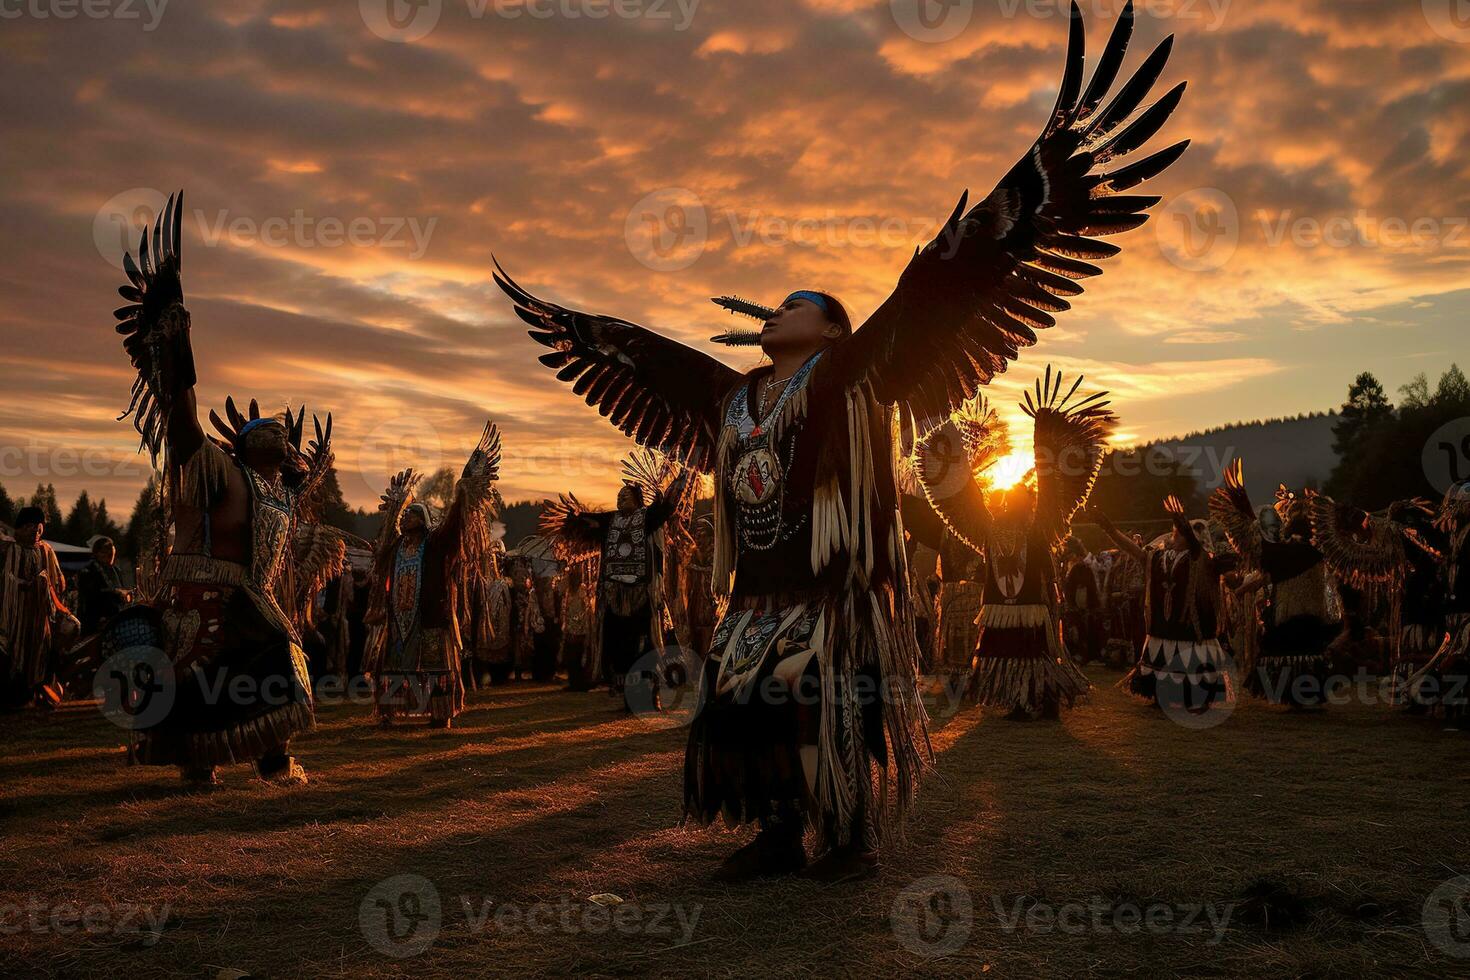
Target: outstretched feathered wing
995, 274
475, 504
664, 395
1360, 549
1070, 441
1230, 507
154, 326
946, 461
572, 528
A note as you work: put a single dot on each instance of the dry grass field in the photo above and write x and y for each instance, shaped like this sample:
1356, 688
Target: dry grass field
1116, 843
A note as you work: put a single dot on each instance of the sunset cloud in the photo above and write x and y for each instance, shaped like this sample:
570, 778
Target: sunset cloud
345, 194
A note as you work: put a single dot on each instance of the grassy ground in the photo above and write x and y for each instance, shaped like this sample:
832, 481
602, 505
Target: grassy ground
1319, 837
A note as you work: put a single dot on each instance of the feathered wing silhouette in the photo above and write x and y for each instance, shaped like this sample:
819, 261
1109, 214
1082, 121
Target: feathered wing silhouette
572, 528
1070, 440
666, 396
475, 503
1230, 507
1361, 549
964, 306
155, 327
947, 460
973, 297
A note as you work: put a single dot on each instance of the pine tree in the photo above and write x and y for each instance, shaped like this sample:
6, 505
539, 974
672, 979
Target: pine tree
102, 522
1453, 390
1366, 406
138, 537
1366, 412
7, 507
79, 523
45, 499
334, 509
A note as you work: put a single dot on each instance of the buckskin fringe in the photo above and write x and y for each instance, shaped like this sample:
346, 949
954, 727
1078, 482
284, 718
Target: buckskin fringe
849, 779
722, 570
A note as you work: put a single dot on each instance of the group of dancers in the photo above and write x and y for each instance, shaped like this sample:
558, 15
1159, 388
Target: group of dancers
811, 630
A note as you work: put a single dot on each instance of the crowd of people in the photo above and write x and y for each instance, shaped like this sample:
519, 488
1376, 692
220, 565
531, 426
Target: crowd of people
793, 599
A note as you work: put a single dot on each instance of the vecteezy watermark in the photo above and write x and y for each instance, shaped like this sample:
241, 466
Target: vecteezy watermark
85, 918
1098, 916
1446, 455
667, 230
1364, 229
136, 687
937, 21
301, 230
1446, 917
1199, 230
397, 444
1210, 12
412, 20
403, 915
123, 219
1450, 19
933, 916
932, 21
671, 229
666, 686
150, 12
41, 461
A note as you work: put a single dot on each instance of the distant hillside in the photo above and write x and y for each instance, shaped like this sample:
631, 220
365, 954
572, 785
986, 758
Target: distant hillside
1295, 451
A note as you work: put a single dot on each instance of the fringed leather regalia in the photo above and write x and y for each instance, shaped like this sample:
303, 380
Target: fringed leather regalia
1299, 621
1020, 663
627, 548
809, 544
1182, 662
1445, 680
34, 622
414, 654
1394, 562
222, 614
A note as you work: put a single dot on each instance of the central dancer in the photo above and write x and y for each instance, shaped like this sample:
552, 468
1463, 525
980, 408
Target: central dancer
811, 718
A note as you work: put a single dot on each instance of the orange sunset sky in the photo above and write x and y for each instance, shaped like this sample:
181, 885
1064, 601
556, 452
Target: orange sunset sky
347, 182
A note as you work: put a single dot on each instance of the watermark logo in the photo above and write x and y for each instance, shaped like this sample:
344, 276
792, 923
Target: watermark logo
136, 687
1446, 455
1199, 231
401, 21
667, 230
1098, 916
119, 225
397, 444
150, 12
1450, 19
121, 221
933, 916
1198, 698
401, 916
95, 919
932, 21
666, 687
1446, 917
